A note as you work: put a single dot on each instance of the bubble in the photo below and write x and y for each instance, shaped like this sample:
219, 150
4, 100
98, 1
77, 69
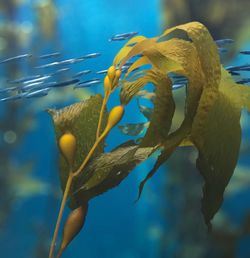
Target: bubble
9, 137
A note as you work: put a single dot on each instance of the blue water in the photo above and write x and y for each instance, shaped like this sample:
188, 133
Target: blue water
116, 227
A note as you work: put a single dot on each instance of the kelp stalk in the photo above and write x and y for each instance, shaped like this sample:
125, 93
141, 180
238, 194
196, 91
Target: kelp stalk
59, 218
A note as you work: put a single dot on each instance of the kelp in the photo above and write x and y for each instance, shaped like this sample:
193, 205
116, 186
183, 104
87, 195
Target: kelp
211, 121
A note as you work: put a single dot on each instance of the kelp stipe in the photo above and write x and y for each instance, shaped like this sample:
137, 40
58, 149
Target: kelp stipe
211, 123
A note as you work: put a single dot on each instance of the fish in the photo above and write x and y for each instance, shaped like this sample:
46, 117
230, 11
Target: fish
81, 73
222, 50
102, 71
63, 62
31, 85
8, 89
178, 86
246, 52
15, 58
146, 111
24, 79
244, 67
87, 83
60, 71
65, 83
15, 97
92, 55
221, 42
243, 81
234, 73
37, 93
123, 36
43, 78
51, 55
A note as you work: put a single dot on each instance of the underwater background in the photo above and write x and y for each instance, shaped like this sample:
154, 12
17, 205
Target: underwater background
166, 222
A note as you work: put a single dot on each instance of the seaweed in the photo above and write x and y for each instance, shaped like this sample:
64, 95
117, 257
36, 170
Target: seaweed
211, 122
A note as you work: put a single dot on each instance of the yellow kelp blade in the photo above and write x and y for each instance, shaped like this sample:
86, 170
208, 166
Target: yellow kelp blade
137, 49
125, 50
217, 135
239, 94
138, 63
164, 108
130, 89
206, 48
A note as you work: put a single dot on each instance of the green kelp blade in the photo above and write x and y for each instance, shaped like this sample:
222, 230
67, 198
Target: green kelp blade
218, 142
108, 170
81, 119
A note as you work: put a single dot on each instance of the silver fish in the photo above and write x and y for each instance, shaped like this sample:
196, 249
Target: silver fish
246, 52
37, 93
63, 62
65, 83
178, 86
123, 36
243, 81
92, 55
15, 97
221, 42
43, 78
14, 58
7, 90
60, 71
87, 83
24, 79
55, 54
102, 71
81, 73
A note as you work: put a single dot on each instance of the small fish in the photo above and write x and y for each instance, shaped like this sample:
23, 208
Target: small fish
55, 54
31, 85
65, 83
71, 61
14, 58
246, 52
24, 79
37, 93
43, 78
222, 50
60, 71
238, 67
102, 71
92, 55
87, 83
81, 73
7, 90
221, 42
63, 62
234, 73
15, 97
243, 81
123, 36
178, 86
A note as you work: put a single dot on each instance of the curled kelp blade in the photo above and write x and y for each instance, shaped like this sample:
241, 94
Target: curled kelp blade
206, 48
81, 120
107, 171
126, 49
164, 108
